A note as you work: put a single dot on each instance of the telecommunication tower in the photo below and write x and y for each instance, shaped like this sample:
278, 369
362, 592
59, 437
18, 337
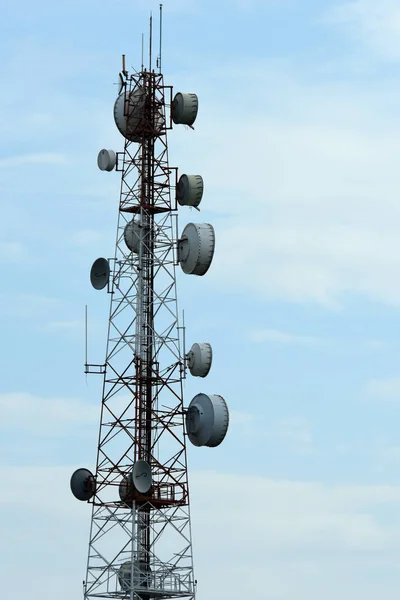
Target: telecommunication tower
140, 543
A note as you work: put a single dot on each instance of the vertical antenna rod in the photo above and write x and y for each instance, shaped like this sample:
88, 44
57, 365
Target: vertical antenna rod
150, 40
86, 340
159, 55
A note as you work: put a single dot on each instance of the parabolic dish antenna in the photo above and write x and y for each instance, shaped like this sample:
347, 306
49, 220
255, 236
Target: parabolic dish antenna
207, 420
184, 108
125, 490
196, 248
83, 484
189, 191
106, 160
134, 233
100, 273
141, 476
121, 83
132, 119
140, 576
199, 359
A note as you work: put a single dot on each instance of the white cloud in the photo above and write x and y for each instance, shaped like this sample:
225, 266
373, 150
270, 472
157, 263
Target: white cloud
87, 237
63, 326
45, 416
244, 424
282, 337
67, 329
377, 24
290, 434
11, 251
311, 214
38, 158
330, 539
294, 433
27, 305
384, 388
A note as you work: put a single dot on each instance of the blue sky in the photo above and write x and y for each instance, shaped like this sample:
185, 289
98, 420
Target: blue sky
297, 140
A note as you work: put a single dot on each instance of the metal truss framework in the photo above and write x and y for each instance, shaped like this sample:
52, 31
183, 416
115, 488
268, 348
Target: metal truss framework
140, 545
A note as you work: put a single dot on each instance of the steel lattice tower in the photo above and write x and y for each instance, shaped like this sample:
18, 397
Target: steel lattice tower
140, 543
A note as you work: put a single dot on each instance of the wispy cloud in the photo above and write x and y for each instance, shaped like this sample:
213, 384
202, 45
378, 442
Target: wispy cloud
384, 388
28, 305
87, 237
244, 424
294, 433
44, 416
11, 251
37, 158
376, 24
331, 539
57, 326
282, 337
68, 329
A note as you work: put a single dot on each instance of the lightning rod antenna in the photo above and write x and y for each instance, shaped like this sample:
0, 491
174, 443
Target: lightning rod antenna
150, 40
86, 339
142, 51
159, 54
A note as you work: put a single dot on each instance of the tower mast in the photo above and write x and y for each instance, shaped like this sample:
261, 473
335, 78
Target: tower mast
140, 543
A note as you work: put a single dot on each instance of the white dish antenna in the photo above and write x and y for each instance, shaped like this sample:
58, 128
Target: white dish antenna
100, 273
184, 108
130, 116
196, 248
134, 234
121, 83
128, 113
126, 490
106, 160
140, 577
139, 480
207, 420
83, 484
141, 476
199, 359
189, 191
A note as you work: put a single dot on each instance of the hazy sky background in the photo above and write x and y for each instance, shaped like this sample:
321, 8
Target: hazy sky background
298, 141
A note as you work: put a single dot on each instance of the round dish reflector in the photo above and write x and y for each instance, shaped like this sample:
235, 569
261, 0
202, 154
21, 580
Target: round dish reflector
141, 476
106, 160
207, 420
199, 359
184, 108
196, 248
132, 118
140, 577
126, 490
189, 191
100, 273
132, 235
83, 484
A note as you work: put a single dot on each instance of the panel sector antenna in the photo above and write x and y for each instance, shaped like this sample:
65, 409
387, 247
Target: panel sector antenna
140, 544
